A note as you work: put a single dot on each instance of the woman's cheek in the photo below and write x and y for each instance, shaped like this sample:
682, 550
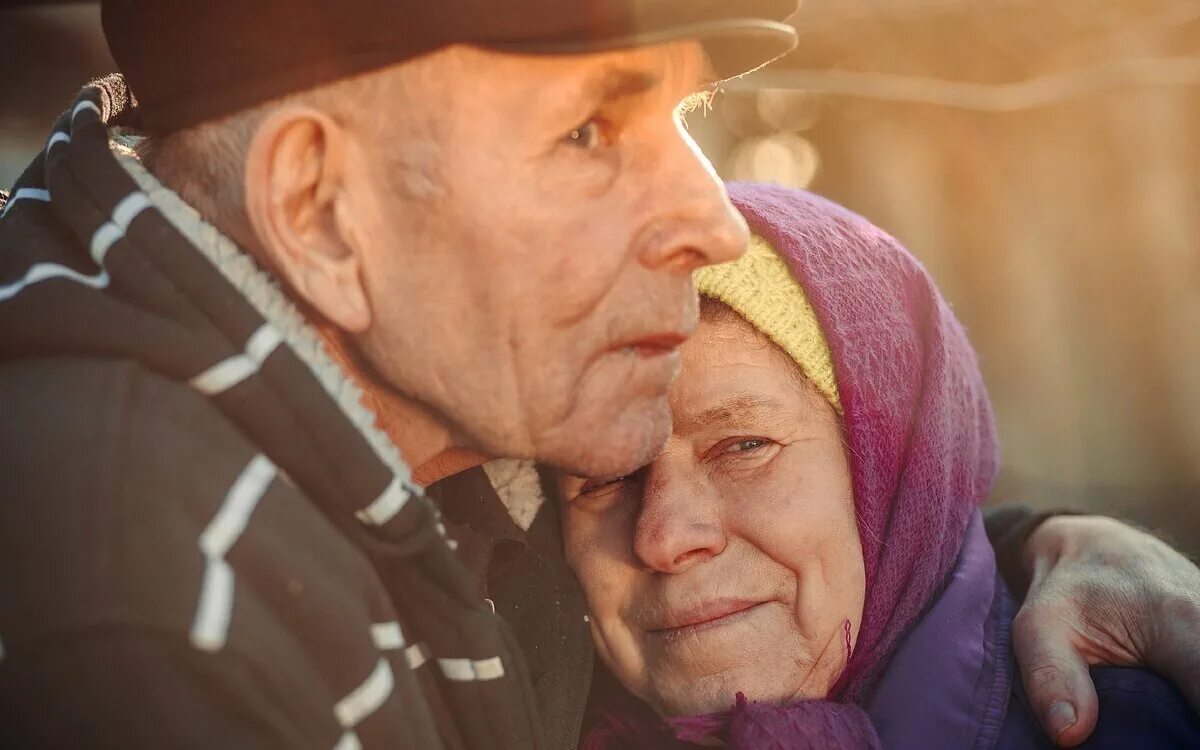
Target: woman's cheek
583, 541
597, 553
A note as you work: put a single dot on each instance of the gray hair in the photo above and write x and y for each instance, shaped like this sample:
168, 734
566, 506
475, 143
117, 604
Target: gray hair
205, 163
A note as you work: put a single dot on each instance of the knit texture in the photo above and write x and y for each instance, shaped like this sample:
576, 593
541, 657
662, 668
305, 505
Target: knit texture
762, 290
919, 428
808, 725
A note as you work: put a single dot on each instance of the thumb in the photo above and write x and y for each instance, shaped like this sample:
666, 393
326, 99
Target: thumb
1056, 676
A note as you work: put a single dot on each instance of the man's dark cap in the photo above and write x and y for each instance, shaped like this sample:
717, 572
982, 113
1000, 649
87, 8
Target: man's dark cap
187, 61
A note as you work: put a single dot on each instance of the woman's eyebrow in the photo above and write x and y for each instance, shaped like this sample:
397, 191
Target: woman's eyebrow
741, 408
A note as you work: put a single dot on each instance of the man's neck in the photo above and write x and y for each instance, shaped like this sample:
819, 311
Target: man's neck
423, 441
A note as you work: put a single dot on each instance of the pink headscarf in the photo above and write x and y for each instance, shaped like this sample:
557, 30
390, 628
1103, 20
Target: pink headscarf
922, 444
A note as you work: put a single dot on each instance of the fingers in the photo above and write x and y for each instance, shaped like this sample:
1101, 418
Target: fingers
1176, 650
1056, 676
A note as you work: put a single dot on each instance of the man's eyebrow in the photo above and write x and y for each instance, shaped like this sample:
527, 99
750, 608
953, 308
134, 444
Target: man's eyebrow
742, 408
620, 83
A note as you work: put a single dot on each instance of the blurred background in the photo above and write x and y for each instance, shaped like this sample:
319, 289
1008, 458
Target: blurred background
1042, 159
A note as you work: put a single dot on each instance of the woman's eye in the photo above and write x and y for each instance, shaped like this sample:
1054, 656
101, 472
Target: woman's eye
596, 486
587, 135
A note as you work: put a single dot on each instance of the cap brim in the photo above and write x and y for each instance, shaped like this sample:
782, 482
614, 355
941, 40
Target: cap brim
735, 46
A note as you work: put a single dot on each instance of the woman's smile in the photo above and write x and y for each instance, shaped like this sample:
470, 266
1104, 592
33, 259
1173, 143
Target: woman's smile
699, 619
733, 559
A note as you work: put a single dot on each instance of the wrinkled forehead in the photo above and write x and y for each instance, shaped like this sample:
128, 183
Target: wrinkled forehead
673, 70
680, 61
727, 354
734, 375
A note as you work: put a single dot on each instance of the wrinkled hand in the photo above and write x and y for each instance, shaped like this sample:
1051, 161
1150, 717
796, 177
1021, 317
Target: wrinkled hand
1106, 593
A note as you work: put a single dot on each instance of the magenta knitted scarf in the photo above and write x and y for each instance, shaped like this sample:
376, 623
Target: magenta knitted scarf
923, 455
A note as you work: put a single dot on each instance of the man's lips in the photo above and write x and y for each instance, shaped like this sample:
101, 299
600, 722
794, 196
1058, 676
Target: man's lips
654, 345
714, 613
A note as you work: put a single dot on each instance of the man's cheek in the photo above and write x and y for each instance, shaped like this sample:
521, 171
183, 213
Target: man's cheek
584, 254
578, 290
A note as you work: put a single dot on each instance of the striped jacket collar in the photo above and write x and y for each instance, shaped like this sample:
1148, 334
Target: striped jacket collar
101, 260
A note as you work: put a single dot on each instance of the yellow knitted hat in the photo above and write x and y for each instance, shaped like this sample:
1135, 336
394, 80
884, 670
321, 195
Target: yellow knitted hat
760, 287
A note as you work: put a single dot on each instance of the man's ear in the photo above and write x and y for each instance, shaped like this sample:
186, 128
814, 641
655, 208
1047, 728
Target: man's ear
294, 179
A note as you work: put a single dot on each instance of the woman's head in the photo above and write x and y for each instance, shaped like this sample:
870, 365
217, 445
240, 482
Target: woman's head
732, 562
832, 437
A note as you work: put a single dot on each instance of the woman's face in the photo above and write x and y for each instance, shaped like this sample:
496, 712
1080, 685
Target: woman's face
731, 563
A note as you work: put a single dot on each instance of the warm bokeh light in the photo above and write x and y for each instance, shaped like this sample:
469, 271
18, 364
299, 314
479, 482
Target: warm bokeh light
784, 158
1041, 159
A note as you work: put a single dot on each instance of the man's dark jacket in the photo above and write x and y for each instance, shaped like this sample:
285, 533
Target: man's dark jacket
204, 540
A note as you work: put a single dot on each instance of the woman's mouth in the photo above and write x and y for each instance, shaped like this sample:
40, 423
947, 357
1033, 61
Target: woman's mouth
718, 613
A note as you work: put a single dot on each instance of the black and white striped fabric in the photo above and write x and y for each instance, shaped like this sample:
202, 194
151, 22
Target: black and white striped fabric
204, 541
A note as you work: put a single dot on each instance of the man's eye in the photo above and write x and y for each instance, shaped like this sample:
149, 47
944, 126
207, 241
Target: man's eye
587, 136
741, 446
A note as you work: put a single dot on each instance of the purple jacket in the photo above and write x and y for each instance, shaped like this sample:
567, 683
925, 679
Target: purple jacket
952, 682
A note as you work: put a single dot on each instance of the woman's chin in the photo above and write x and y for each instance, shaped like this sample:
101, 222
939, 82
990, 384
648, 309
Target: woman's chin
710, 695
695, 704
718, 693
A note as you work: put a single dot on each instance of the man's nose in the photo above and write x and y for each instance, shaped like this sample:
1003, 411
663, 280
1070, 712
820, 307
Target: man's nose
677, 527
699, 226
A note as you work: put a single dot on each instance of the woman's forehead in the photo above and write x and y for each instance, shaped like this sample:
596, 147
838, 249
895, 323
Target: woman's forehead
733, 374
728, 348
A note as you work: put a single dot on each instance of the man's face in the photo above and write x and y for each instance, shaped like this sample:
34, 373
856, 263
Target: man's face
528, 265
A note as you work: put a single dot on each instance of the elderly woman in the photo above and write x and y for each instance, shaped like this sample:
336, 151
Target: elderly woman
804, 566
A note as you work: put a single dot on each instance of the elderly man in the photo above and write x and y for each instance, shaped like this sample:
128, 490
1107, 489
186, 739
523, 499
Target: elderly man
356, 237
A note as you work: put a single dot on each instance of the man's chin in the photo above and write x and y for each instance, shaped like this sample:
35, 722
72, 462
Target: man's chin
629, 443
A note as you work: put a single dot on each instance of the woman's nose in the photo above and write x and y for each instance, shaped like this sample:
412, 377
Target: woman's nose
676, 529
